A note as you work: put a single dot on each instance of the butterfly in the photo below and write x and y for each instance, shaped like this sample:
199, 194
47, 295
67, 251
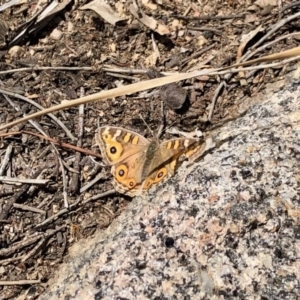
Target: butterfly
137, 164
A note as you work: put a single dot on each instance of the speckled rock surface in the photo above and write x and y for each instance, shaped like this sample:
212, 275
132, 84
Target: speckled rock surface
226, 227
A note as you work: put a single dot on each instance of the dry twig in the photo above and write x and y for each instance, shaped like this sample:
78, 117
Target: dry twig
6, 209
74, 185
20, 282
54, 118
58, 143
208, 18
29, 208
6, 159
216, 31
23, 180
46, 69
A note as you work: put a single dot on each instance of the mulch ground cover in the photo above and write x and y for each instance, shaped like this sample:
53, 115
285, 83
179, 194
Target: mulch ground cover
52, 195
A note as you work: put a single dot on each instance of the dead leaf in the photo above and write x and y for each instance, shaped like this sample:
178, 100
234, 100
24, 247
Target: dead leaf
155, 47
251, 18
149, 4
250, 35
104, 11
266, 3
148, 21
8, 4
151, 60
246, 38
39, 20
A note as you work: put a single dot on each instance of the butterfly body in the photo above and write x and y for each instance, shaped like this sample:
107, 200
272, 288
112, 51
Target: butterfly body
138, 163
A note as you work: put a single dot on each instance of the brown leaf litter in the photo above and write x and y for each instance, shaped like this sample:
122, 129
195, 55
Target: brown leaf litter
50, 53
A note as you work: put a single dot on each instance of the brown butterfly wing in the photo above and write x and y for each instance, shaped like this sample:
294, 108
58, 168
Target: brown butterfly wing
117, 143
166, 159
125, 151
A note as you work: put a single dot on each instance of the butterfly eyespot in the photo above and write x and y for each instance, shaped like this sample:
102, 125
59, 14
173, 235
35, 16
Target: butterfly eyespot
121, 172
148, 184
113, 150
160, 174
130, 183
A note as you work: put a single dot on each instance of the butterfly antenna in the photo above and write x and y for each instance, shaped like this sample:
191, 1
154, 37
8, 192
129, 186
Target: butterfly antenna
163, 117
164, 128
146, 124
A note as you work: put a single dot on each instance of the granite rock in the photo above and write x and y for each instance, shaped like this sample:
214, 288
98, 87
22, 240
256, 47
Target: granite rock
226, 227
